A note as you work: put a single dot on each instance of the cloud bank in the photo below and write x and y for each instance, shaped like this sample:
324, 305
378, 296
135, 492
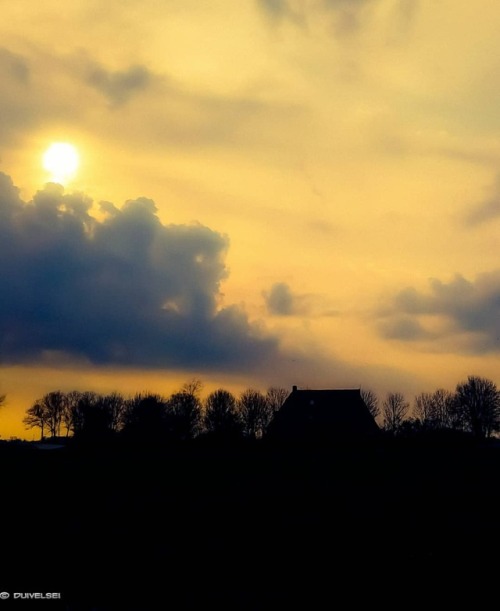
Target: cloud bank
464, 313
123, 289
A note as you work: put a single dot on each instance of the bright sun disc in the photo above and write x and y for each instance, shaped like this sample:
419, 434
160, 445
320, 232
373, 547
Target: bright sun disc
61, 160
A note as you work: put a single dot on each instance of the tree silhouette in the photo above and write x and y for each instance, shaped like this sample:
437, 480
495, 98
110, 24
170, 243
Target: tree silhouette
437, 410
144, 417
394, 410
478, 402
90, 414
255, 411
371, 401
275, 397
36, 417
221, 415
48, 412
193, 387
183, 415
77, 413
114, 406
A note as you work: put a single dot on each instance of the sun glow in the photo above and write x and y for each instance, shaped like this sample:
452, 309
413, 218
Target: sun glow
61, 160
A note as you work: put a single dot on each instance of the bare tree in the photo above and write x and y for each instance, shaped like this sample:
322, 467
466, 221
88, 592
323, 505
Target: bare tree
184, 415
193, 387
36, 417
478, 401
54, 405
275, 397
114, 405
77, 411
436, 410
255, 412
394, 410
221, 415
370, 399
144, 416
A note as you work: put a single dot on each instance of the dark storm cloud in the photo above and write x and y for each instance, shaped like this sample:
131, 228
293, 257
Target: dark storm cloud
124, 290
118, 86
465, 309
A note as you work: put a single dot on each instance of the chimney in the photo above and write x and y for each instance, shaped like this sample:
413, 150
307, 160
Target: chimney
294, 389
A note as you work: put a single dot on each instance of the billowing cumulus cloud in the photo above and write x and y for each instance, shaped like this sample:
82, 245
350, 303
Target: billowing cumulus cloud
461, 311
120, 289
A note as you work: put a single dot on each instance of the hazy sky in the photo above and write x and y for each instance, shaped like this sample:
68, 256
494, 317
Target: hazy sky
270, 191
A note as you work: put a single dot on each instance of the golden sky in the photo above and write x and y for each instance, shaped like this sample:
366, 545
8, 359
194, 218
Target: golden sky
325, 179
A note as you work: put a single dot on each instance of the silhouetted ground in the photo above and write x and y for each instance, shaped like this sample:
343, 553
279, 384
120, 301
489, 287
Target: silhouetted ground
251, 526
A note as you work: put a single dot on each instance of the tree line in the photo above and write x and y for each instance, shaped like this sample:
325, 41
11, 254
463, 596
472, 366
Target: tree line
148, 416
473, 408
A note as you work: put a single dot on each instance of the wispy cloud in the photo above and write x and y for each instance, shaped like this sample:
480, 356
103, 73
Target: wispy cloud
281, 300
487, 210
120, 85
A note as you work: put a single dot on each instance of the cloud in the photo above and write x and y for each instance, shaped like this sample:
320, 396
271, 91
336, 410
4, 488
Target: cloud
403, 328
13, 66
278, 10
346, 17
46, 89
347, 14
118, 86
487, 210
280, 300
408, 9
461, 311
119, 288
123, 290
15, 102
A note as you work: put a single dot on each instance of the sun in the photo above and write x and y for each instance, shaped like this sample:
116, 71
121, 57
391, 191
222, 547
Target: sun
61, 160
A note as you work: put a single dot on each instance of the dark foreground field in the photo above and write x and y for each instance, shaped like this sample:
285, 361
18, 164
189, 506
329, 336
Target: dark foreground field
251, 526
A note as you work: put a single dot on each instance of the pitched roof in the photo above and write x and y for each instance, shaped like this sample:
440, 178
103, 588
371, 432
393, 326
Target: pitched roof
335, 413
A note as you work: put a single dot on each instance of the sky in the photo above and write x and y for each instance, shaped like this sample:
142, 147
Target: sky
270, 192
